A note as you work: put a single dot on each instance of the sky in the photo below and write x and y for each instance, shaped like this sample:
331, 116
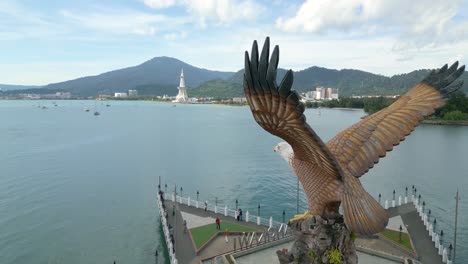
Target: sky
44, 42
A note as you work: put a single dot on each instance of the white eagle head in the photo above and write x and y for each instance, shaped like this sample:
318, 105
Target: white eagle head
285, 150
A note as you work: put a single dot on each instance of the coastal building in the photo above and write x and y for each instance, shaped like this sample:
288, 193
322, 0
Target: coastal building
120, 94
132, 93
239, 99
320, 94
182, 96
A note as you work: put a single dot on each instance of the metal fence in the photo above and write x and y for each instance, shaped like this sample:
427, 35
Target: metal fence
167, 236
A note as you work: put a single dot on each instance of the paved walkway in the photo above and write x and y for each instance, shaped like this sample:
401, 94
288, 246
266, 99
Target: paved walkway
186, 253
183, 244
185, 250
419, 235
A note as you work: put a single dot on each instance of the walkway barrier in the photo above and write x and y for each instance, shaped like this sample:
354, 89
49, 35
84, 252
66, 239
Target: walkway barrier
165, 228
225, 210
425, 215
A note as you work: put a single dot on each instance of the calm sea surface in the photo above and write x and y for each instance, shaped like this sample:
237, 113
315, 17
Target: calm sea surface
75, 188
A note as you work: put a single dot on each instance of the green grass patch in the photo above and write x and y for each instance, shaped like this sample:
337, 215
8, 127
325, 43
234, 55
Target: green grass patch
202, 234
395, 237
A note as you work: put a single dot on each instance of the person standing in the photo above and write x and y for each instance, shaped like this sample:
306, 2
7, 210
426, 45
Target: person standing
240, 214
206, 205
218, 223
236, 214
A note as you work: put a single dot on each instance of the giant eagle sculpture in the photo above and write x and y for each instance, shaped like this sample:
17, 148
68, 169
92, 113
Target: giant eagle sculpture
330, 172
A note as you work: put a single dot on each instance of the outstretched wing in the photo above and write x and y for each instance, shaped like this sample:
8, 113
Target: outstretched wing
279, 111
359, 147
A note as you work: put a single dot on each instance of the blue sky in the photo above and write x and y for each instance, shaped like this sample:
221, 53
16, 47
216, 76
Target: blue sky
43, 42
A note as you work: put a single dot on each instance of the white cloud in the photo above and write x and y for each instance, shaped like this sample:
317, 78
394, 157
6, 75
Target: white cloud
417, 23
156, 4
118, 22
221, 12
175, 36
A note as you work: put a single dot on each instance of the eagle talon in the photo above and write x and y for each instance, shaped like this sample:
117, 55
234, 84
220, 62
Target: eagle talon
300, 217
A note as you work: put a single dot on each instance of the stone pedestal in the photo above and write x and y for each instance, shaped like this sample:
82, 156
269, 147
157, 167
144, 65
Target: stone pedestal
317, 240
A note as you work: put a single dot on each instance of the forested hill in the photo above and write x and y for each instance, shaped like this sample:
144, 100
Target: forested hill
349, 82
157, 76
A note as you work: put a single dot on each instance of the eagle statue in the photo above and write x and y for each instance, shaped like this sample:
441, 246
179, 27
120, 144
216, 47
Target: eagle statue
329, 172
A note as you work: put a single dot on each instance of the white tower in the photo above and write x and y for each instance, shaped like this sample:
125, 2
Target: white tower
182, 96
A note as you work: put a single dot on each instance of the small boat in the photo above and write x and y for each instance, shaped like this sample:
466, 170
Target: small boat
86, 109
174, 105
96, 113
107, 105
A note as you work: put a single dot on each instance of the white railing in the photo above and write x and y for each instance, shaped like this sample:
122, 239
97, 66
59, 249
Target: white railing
441, 250
224, 210
167, 237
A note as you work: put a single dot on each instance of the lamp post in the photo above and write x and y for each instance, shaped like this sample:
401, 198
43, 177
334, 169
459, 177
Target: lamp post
441, 236
258, 209
380, 197
428, 215
406, 191
401, 229
393, 195
159, 184
424, 204
181, 189
450, 252
237, 202
198, 194
216, 201
165, 187
284, 213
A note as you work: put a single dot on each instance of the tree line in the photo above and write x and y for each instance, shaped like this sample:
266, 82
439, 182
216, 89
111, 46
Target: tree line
456, 107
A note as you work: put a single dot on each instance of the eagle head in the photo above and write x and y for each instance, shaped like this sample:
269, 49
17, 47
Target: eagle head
285, 150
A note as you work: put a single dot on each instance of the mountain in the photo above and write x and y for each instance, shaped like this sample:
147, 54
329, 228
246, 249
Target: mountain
9, 87
348, 81
157, 76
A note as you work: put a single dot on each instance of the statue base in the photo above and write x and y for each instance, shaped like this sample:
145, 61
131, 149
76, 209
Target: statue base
320, 240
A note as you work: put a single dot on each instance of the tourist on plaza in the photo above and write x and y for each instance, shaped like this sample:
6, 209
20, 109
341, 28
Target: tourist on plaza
218, 223
206, 205
240, 214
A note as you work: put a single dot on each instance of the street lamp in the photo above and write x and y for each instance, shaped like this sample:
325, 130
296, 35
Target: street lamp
424, 204
401, 229
394, 195
284, 213
258, 209
198, 194
434, 224
406, 191
380, 197
237, 202
165, 188
216, 201
450, 252
181, 189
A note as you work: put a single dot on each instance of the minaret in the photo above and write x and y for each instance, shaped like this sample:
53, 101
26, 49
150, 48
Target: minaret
182, 80
182, 96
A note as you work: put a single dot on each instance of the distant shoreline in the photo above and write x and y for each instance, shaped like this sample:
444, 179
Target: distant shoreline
445, 122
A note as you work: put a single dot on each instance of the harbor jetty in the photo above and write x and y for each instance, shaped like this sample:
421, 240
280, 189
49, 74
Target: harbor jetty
192, 236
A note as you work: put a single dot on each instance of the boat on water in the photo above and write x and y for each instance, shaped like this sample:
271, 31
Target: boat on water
96, 113
86, 109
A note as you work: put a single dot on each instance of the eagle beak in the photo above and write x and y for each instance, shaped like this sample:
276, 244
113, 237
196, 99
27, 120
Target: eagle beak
275, 148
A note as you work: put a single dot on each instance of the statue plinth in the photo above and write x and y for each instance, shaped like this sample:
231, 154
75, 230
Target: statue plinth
320, 240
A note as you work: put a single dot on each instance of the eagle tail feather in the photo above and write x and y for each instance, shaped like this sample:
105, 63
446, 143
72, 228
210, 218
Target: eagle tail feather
362, 213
